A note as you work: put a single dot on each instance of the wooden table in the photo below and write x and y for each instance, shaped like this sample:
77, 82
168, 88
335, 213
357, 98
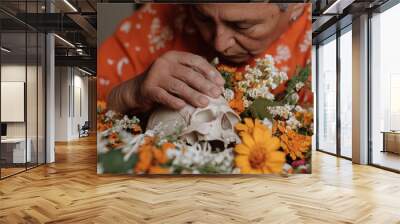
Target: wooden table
15, 148
391, 141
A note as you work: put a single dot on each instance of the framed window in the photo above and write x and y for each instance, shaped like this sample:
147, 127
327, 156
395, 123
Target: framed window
326, 101
384, 113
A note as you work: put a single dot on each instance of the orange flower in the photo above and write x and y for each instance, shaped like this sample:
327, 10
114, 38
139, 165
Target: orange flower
248, 125
293, 143
136, 129
114, 140
145, 158
259, 151
308, 118
225, 68
274, 127
104, 126
237, 103
161, 154
101, 105
151, 157
238, 76
158, 170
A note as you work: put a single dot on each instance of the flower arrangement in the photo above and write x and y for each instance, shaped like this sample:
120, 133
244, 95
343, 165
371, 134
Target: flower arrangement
275, 131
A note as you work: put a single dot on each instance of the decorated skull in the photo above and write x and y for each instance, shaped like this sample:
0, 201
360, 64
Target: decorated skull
214, 122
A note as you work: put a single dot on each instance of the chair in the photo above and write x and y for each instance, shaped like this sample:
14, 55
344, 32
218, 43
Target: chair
84, 130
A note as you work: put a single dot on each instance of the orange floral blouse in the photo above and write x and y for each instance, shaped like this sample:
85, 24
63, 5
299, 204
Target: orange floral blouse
157, 28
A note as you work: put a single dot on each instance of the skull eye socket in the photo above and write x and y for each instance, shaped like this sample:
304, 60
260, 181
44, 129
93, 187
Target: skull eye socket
226, 123
203, 116
229, 120
233, 118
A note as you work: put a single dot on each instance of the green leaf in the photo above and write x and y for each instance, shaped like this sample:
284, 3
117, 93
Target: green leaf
259, 108
113, 162
302, 76
303, 131
208, 169
228, 80
178, 169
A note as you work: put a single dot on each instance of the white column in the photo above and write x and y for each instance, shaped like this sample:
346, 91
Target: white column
50, 100
360, 90
50, 92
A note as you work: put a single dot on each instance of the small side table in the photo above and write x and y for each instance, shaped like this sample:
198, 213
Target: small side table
391, 141
16, 148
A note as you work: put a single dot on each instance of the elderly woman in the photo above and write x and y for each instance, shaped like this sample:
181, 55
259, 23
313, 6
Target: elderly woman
162, 53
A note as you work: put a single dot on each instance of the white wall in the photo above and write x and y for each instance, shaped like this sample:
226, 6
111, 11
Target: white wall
33, 127
16, 73
70, 83
61, 103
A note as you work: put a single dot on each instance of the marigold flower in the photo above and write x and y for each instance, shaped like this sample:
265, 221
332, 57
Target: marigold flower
259, 152
114, 140
237, 103
308, 118
136, 129
101, 106
248, 126
151, 157
293, 143
225, 68
238, 76
158, 170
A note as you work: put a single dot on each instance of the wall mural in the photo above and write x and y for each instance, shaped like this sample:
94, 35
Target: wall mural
207, 89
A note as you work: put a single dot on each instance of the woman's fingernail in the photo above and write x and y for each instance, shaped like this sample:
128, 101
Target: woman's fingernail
212, 74
203, 100
219, 80
180, 104
215, 92
216, 77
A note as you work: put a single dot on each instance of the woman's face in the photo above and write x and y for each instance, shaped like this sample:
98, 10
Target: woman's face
238, 31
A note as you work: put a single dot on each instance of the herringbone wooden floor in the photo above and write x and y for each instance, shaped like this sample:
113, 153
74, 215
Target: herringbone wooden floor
69, 191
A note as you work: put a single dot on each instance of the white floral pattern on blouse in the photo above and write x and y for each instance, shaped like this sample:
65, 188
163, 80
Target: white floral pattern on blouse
282, 54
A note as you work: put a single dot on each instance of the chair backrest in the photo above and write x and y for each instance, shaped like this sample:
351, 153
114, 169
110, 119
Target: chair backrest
86, 125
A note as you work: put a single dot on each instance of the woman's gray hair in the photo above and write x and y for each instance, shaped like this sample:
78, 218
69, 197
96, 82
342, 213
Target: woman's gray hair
283, 6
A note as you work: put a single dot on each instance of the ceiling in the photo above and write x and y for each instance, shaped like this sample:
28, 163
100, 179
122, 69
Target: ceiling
330, 15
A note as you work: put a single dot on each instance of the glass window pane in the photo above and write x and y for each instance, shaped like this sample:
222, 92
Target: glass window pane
327, 96
13, 86
385, 89
31, 97
23, 84
346, 94
41, 98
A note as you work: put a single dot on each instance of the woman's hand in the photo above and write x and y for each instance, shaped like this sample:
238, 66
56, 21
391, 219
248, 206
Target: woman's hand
174, 79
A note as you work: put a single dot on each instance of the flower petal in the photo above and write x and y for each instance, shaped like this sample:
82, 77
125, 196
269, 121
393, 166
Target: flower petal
259, 135
275, 168
242, 162
158, 170
242, 149
256, 171
266, 170
241, 127
277, 156
247, 140
293, 155
249, 123
273, 144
